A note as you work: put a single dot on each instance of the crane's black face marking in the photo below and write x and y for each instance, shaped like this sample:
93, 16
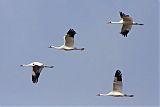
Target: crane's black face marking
118, 74
124, 33
71, 32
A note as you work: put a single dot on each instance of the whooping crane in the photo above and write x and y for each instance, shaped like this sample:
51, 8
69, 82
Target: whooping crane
68, 42
117, 87
36, 69
127, 22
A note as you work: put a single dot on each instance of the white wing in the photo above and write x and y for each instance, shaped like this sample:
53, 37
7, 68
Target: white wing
36, 73
69, 38
127, 24
125, 29
117, 83
68, 41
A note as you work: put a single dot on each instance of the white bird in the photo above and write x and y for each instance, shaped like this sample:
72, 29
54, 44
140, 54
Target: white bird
36, 69
68, 42
117, 87
127, 22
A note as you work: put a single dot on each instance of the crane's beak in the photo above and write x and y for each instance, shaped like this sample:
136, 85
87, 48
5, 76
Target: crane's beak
109, 22
98, 94
50, 47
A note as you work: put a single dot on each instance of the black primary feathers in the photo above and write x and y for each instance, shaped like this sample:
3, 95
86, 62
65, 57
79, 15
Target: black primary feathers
124, 33
118, 75
71, 33
122, 14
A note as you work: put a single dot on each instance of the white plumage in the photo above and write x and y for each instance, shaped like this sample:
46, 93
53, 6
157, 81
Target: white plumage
36, 69
127, 22
68, 42
117, 87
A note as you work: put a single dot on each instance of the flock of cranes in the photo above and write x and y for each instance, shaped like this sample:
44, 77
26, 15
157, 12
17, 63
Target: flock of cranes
68, 45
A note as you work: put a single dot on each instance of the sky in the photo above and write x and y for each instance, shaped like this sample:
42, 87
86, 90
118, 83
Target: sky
28, 27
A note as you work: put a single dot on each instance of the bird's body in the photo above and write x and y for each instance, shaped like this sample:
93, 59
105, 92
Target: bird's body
117, 87
68, 42
36, 69
126, 22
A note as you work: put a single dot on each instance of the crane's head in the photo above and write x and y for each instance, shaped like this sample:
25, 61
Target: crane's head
109, 22
98, 94
50, 47
26, 65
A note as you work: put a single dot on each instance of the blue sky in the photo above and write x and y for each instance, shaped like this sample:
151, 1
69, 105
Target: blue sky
28, 27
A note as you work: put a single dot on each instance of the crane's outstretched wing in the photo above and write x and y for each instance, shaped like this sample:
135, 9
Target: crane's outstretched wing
36, 73
117, 82
127, 24
125, 29
69, 38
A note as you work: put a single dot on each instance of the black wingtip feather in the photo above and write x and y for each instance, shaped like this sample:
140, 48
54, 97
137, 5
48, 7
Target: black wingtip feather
35, 78
122, 14
71, 32
124, 33
118, 74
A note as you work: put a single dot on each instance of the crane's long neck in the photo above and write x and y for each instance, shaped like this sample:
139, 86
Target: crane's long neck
56, 47
116, 23
101, 94
26, 65
112, 22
